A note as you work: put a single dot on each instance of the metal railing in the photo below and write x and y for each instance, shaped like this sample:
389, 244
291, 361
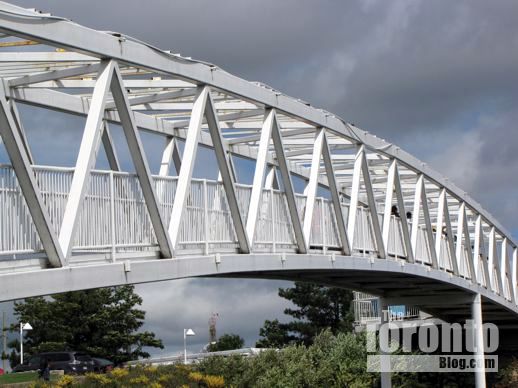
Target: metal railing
114, 219
366, 310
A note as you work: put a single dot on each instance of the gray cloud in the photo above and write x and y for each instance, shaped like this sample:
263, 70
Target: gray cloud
483, 161
242, 305
390, 67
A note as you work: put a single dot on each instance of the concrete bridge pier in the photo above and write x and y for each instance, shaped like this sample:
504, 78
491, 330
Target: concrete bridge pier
383, 307
478, 340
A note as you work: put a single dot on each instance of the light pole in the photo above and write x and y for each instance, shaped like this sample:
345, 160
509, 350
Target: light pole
190, 333
23, 326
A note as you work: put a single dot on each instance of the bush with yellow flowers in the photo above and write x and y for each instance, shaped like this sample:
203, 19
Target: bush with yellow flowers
65, 381
196, 377
140, 380
98, 380
119, 373
214, 381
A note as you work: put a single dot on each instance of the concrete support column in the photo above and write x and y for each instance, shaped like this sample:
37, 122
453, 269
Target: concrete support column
478, 340
383, 311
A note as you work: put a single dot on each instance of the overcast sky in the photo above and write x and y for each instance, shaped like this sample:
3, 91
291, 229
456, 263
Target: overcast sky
439, 78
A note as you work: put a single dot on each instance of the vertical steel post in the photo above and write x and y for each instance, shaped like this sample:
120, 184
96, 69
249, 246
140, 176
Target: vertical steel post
112, 214
272, 216
206, 216
4, 340
323, 226
184, 346
514, 280
21, 343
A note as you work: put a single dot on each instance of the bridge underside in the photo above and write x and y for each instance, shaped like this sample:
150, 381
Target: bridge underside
433, 291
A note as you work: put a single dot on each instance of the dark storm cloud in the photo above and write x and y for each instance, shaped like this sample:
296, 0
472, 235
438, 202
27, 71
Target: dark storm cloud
390, 67
484, 162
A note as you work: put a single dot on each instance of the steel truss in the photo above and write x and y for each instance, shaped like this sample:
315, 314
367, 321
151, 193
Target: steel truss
114, 79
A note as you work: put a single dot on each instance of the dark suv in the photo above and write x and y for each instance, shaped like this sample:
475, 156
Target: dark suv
70, 362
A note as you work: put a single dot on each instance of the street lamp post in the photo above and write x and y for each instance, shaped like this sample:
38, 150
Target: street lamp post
190, 333
23, 326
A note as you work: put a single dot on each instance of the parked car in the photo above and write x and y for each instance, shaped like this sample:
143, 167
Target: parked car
70, 362
102, 365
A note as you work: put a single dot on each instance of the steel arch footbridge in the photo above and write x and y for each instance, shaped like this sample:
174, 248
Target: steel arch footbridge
371, 216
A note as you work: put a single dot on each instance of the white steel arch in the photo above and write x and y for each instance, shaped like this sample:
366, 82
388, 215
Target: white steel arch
383, 206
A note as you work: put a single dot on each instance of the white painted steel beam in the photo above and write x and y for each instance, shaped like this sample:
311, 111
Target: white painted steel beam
131, 84
311, 188
139, 159
145, 268
506, 268
86, 157
226, 172
19, 126
54, 75
188, 159
355, 192
439, 225
285, 134
389, 192
464, 242
421, 202
404, 221
33, 57
175, 107
259, 175
271, 181
171, 154
155, 97
302, 243
449, 236
335, 198
24, 173
468, 246
373, 208
223, 117
494, 268
109, 148
481, 253
514, 276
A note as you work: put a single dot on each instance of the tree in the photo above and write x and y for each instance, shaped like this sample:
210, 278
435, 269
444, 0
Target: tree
331, 361
227, 342
274, 335
102, 322
318, 308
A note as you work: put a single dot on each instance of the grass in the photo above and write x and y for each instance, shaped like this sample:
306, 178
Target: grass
22, 377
